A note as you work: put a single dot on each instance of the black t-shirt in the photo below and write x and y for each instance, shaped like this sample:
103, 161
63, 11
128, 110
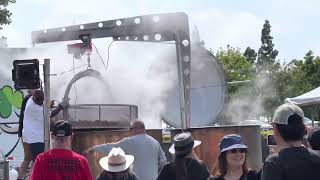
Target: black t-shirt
295, 163
251, 175
196, 169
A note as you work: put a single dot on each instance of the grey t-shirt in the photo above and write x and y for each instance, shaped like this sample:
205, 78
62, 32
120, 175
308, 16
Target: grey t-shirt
148, 154
295, 163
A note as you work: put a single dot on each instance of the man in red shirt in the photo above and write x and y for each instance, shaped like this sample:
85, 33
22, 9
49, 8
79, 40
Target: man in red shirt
61, 163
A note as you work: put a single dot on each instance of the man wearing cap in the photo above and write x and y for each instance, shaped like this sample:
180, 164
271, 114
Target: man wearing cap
293, 161
61, 163
314, 139
149, 156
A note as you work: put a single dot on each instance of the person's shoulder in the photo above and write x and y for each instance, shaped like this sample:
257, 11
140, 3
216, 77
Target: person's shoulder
198, 164
197, 161
301, 152
146, 137
78, 156
254, 173
26, 98
29, 101
168, 164
43, 155
314, 155
68, 154
314, 152
133, 176
273, 158
201, 162
215, 178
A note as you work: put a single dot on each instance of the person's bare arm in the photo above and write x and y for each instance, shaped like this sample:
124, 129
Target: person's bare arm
106, 148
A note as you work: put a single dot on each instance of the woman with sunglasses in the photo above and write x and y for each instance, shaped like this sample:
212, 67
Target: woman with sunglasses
231, 163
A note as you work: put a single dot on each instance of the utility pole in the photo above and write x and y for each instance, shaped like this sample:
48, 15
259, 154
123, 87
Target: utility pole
46, 104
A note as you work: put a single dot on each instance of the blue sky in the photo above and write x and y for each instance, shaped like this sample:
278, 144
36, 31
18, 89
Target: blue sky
295, 24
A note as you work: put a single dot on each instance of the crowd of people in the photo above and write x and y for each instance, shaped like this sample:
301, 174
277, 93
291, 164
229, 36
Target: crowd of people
140, 156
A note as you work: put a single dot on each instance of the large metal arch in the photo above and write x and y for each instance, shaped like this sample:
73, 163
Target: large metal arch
82, 74
156, 27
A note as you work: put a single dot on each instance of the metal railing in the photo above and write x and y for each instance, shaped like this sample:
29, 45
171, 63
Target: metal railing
101, 115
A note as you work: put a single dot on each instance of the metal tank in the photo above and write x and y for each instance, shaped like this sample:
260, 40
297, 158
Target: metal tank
208, 91
207, 151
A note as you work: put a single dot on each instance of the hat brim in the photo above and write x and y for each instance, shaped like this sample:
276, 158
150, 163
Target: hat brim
235, 146
196, 143
111, 168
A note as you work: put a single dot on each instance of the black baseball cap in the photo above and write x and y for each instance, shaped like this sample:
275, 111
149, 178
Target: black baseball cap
62, 128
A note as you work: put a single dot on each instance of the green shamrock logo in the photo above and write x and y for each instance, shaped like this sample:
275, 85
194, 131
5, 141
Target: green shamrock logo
8, 100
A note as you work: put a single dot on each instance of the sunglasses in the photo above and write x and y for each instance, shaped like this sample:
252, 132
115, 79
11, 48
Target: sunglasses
233, 151
132, 128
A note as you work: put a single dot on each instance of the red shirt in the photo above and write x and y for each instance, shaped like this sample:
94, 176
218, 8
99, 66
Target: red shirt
60, 164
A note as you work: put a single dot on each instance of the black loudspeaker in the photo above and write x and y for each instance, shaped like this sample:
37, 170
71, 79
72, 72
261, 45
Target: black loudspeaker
25, 74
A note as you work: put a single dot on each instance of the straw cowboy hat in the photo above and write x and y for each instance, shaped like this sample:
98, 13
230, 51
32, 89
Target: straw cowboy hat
116, 161
183, 143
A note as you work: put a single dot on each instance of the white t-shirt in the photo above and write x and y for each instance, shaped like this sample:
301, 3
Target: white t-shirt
33, 129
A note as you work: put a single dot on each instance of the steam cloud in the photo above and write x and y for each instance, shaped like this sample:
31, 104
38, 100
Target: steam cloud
244, 105
130, 78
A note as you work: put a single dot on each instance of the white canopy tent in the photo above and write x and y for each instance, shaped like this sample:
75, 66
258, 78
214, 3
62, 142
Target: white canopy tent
311, 98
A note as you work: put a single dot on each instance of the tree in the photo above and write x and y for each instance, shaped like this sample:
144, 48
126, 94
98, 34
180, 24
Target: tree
5, 14
267, 71
250, 55
237, 68
298, 77
266, 53
236, 65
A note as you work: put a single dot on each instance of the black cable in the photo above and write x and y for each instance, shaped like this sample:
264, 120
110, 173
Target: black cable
12, 149
99, 56
108, 51
73, 69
